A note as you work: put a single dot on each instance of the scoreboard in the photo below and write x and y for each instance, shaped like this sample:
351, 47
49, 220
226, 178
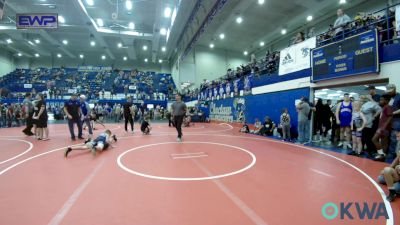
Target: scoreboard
352, 56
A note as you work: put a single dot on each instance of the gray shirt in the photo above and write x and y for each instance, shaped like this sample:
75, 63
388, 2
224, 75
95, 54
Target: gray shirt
303, 110
340, 22
369, 109
178, 108
28, 105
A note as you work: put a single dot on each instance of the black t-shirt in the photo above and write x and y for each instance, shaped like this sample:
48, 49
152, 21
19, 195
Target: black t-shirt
39, 105
73, 107
144, 125
127, 108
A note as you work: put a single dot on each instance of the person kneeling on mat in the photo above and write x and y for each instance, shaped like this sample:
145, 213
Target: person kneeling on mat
391, 177
145, 127
102, 142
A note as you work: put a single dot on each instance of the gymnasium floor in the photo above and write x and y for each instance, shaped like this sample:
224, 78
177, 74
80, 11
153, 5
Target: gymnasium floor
216, 176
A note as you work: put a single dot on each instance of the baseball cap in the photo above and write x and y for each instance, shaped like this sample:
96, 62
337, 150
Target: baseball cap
390, 87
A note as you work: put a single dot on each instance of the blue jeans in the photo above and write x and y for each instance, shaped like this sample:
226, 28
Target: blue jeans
393, 140
71, 127
303, 129
88, 125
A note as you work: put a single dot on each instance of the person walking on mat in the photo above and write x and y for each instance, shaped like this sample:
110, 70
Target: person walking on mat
72, 109
178, 110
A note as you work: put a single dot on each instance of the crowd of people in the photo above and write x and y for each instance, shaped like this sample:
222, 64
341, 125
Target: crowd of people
109, 84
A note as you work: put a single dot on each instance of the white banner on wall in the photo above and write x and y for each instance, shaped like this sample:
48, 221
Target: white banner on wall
296, 57
27, 85
398, 18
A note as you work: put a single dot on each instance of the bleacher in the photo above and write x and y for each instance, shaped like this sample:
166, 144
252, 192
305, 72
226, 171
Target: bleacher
59, 83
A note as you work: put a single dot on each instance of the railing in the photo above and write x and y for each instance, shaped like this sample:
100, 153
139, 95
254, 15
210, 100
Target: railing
373, 20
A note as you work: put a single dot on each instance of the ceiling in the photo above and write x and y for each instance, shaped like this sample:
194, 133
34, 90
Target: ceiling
261, 22
115, 39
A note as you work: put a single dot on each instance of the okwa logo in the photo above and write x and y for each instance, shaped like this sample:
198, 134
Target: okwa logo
354, 210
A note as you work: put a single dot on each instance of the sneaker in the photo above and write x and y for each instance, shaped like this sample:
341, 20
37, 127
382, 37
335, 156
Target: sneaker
132, 132
73, 139
81, 138
179, 139
349, 146
392, 195
88, 140
69, 149
380, 157
340, 144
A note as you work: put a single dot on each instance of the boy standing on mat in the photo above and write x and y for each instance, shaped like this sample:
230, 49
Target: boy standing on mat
344, 113
381, 137
178, 110
101, 143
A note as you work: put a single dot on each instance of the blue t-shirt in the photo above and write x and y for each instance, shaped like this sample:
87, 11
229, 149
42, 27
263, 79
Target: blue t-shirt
85, 108
395, 104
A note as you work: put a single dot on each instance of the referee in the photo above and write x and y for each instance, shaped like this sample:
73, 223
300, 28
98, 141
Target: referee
178, 110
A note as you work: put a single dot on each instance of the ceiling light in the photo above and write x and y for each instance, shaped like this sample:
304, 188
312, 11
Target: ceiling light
120, 45
61, 19
59, 55
65, 42
125, 58
339, 91
167, 12
245, 53
90, 2
37, 41
81, 56
262, 43
19, 54
92, 43
37, 55
163, 49
146, 60
100, 22
221, 36
31, 43
131, 25
9, 41
160, 61
128, 4
211, 45
163, 31
333, 95
283, 31
260, 2
342, 2
239, 20
103, 57
309, 18
145, 47
321, 93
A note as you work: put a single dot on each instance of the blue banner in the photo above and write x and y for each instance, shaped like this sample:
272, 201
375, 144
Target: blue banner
354, 55
228, 110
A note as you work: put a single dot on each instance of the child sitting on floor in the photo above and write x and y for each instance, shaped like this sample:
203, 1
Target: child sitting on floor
145, 127
245, 128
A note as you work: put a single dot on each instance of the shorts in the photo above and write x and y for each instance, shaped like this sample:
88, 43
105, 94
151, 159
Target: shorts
345, 121
382, 133
98, 144
357, 133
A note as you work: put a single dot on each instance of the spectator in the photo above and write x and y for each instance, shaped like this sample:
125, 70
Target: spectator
245, 128
268, 127
372, 94
371, 111
28, 109
344, 113
303, 110
41, 118
85, 109
257, 126
395, 104
318, 120
299, 38
381, 137
285, 124
341, 22
327, 117
358, 123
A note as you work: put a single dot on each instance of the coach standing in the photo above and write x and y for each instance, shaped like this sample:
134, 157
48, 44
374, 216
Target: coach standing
28, 109
72, 108
178, 110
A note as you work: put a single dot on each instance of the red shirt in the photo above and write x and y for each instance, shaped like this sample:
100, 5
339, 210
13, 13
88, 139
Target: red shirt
386, 113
